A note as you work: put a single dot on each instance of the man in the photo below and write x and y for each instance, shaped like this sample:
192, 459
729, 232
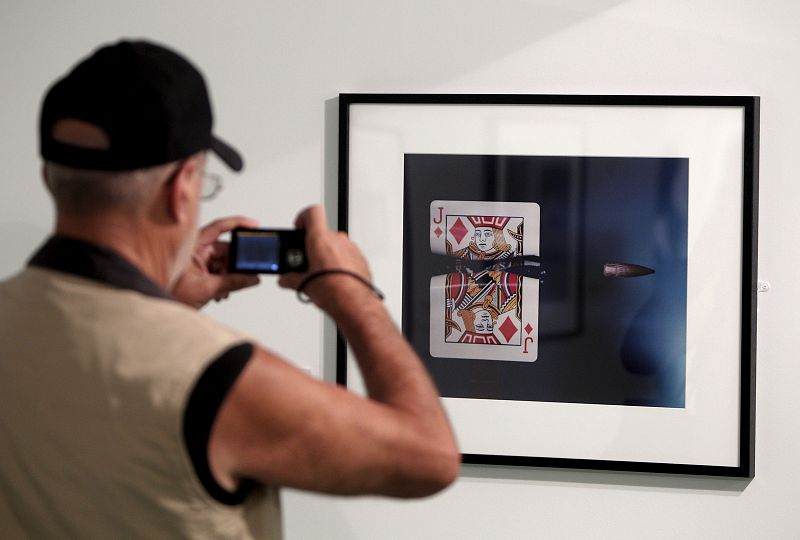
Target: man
127, 414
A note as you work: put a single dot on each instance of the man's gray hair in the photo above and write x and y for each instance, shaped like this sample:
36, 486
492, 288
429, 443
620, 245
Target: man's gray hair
92, 192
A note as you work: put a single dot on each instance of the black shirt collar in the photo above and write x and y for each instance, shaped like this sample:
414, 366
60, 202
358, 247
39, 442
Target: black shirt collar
73, 256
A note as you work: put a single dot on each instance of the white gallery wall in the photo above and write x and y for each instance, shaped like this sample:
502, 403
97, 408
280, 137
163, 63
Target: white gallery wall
275, 69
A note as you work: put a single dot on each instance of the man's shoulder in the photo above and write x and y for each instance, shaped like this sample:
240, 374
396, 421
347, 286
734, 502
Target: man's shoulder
103, 305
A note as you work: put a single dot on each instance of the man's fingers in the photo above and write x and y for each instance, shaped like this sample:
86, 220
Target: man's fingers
290, 280
312, 219
234, 282
213, 230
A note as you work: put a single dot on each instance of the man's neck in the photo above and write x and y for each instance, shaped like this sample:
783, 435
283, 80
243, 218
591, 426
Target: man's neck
138, 243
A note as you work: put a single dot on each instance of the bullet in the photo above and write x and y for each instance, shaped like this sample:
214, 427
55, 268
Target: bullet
626, 270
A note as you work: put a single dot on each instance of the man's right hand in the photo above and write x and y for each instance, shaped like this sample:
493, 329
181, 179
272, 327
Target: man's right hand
327, 250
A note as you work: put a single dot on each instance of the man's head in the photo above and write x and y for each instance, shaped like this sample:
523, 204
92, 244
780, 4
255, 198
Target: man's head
145, 104
123, 136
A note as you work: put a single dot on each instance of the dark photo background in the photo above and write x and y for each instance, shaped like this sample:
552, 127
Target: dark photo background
602, 340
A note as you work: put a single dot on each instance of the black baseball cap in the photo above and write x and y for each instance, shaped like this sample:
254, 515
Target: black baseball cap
150, 102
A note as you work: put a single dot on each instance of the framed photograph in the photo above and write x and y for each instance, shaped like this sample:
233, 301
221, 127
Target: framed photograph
577, 273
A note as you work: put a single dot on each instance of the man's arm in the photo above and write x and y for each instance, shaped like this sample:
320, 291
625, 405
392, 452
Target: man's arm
282, 427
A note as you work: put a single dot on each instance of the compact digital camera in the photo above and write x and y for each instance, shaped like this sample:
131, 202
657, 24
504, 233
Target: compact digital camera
267, 251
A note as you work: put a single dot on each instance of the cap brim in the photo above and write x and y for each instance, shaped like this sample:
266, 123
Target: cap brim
227, 153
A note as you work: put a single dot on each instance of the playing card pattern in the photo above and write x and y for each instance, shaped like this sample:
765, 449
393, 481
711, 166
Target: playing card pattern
483, 310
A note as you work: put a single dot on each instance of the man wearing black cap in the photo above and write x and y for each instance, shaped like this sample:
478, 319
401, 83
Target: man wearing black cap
126, 413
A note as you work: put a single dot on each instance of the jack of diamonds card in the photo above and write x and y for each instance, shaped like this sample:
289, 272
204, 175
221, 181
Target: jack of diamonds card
488, 313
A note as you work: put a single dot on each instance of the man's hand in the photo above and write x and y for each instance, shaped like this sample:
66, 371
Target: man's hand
327, 249
206, 277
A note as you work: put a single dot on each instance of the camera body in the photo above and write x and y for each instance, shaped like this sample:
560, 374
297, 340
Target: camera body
267, 251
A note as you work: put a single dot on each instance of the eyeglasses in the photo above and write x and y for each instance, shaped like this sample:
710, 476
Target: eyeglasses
212, 185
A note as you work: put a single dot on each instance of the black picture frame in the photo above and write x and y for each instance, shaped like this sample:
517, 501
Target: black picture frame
369, 139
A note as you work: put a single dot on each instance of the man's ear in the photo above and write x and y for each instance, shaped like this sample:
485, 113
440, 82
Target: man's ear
180, 191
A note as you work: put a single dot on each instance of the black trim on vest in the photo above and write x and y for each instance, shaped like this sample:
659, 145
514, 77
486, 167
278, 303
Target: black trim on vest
73, 256
204, 402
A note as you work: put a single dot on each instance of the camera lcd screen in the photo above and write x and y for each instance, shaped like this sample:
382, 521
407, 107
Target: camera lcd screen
258, 252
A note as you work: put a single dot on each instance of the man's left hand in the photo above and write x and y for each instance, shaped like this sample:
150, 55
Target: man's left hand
206, 277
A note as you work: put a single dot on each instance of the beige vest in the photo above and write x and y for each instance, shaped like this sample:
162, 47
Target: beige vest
93, 385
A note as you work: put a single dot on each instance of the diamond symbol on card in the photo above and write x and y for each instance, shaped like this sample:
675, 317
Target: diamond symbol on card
528, 328
508, 329
458, 230
438, 232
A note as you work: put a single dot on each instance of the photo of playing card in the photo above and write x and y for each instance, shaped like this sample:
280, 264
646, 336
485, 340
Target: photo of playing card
484, 312
525, 275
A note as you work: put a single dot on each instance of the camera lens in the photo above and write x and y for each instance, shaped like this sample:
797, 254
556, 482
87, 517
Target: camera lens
294, 258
